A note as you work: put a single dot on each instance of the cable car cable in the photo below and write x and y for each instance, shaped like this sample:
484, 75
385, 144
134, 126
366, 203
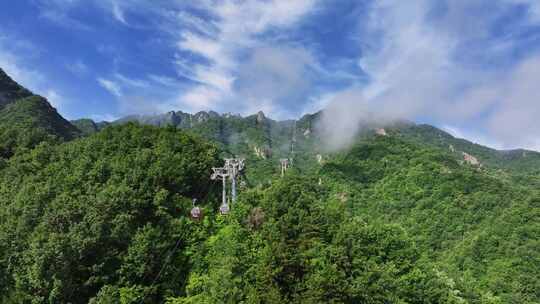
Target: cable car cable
162, 268
167, 260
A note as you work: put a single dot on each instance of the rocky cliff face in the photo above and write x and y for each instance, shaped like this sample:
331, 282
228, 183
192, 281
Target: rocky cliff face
471, 160
260, 117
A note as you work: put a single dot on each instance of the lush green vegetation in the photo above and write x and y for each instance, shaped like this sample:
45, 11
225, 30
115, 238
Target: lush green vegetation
27, 120
294, 242
480, 229
104, 219
86, 126
24, 123
96, 216
520, 162
400, 218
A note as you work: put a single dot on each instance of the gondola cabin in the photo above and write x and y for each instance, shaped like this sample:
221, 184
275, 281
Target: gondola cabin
196, 213
224, 209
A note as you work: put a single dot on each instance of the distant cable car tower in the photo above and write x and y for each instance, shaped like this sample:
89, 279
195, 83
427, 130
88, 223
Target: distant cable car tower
284, 165
222, 173
231, 169
293, 141
234, 167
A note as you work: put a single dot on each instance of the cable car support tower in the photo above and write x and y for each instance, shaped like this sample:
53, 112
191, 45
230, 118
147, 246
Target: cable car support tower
222, 173
231, 170
234, 167
286, 163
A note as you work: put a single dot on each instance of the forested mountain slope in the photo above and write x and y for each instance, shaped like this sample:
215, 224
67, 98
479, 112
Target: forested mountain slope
405, 214
264, 141
10, 90
95, 219
27, 119
516, 161
83, 217
482, 230
260, 140
387, 221
86, 126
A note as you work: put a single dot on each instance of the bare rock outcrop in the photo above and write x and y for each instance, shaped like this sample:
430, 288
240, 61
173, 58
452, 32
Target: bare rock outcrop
471, 160
381, 132
262, 153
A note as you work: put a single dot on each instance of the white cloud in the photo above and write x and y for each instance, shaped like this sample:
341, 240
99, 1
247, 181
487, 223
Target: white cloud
62, 12
275, 75
421, 62
78, 68
211, 49
55, 99
197, 24
318, 102
118, 84
58, 12
241, 19
202, 98
111, 86
216, 78
117, 12
138, 104
415, 72
216, 52
15, 65
225, 40
146, 95
103, 117
514, 119
163, 80
28, 78
476, 137
131, 82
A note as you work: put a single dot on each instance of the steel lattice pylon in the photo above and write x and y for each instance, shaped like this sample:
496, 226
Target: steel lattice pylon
221, 173
235, 166
284, 165
231, 169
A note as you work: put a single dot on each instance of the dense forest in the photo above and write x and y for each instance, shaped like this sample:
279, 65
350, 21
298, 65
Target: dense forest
100, 213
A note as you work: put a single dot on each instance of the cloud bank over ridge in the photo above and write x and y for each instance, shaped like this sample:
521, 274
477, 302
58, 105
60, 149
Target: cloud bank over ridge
423, 64
467, 65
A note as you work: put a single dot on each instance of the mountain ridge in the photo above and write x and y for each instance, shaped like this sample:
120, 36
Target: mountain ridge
176, 118
10, 90
27, 119
212, 125
240, 135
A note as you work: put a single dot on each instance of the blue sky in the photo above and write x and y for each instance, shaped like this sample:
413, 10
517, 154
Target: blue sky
471, 67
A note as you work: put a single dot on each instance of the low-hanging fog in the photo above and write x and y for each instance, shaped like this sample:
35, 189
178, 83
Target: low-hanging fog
417, 71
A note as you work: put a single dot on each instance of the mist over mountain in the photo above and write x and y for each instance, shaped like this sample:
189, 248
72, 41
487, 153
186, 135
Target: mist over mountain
469, 66
320, 133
